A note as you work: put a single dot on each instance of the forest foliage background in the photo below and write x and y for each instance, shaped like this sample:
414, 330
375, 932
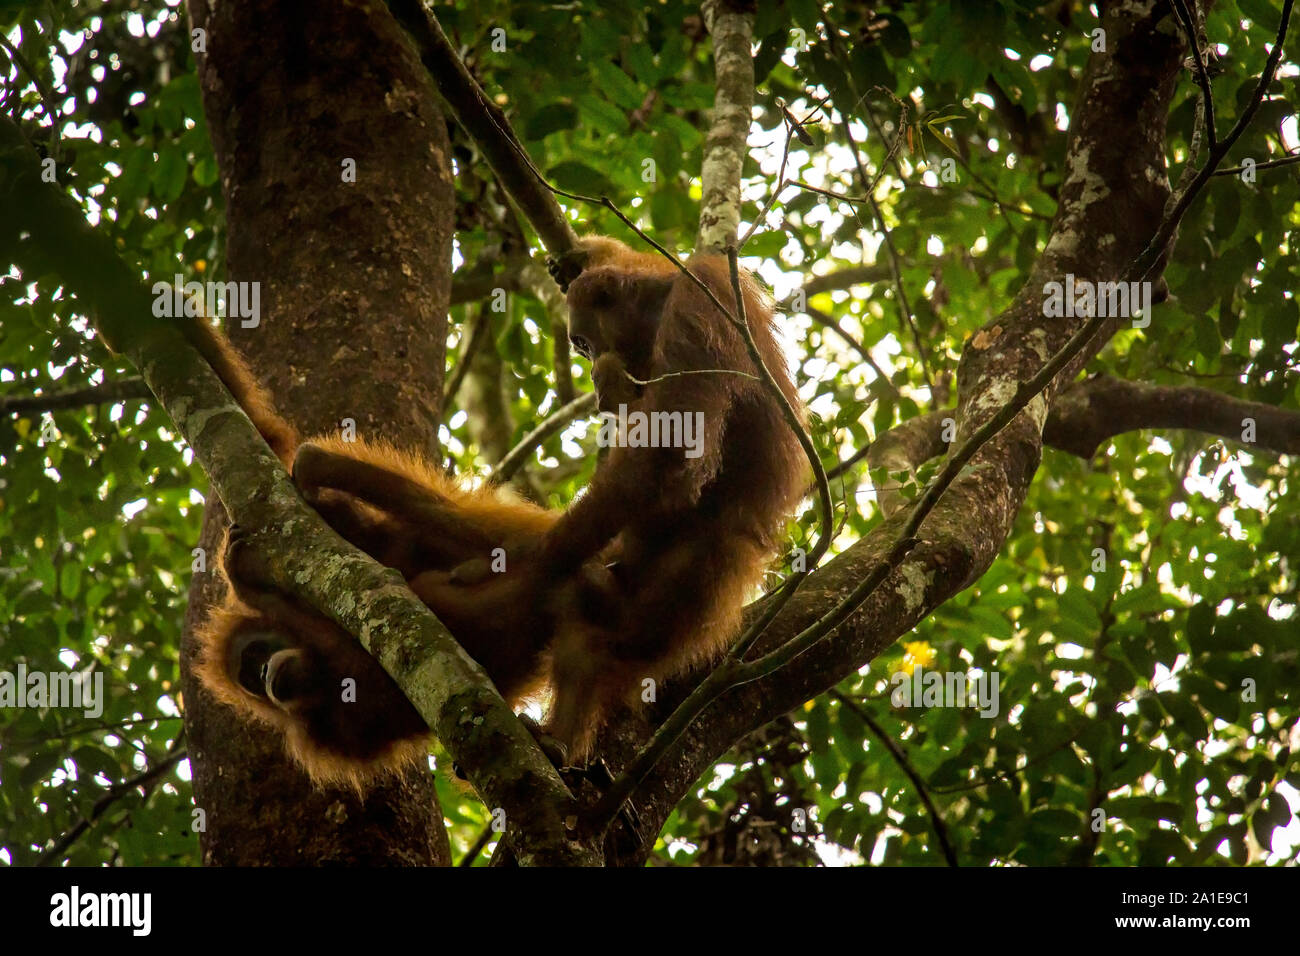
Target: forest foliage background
1120, 687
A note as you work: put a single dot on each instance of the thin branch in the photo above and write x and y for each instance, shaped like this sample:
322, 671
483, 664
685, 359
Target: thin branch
1289, 160
895, 262
556, 421
828, 322
1202, 77
690, 371
846, 278
118, 390
900, 758
791, 125
473, 852
1025, 392
1182, 198
852, 200
485, 123
849, 462
824, 533
111, 727
450, 691
47, 96
474, 338
144, 781
481, 118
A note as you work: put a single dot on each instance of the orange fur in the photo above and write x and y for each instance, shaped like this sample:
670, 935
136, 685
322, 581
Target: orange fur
325, 766
352, 744
252, 397
644, 577
355, 742
692, 535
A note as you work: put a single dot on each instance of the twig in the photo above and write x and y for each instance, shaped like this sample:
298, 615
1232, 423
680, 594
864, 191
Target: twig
827, 322
853, 200
491, 130
474, 338
90, 729
849, 462
515, 457
485, 122
119, 390
790, 126
117, 791
1290, 160
895, 263
900, 758
472, 853
47, 96
1202, 78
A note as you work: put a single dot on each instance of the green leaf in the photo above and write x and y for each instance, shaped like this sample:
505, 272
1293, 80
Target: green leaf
1200, 628
1077, 605
170, 174
69, 579
576, 176
1056, 822
550, 119
1206, 335
641, 60
617, 85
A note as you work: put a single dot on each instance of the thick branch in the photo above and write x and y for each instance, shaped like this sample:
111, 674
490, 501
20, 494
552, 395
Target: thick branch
1092, 411
486, 125
1097, 409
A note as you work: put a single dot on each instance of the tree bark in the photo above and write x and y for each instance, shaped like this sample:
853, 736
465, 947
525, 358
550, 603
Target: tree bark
355, 280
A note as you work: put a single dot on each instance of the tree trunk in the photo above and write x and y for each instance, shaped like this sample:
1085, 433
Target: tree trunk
355, 278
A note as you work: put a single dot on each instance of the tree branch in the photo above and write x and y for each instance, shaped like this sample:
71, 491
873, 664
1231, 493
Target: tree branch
119, 390
145, 781
829, 323
905, 765
1112, 139
556, 421
1087, 414
478, 330
847, 278
483, 120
